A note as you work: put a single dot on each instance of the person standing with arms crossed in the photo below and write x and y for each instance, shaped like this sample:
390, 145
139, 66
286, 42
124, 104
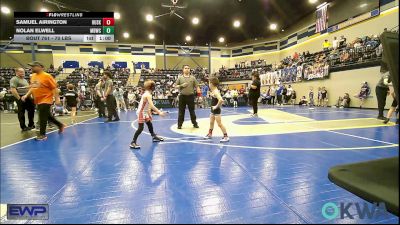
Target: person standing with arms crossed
254, 93
44, 89
109, 98
19, 87
186, 84
99, 98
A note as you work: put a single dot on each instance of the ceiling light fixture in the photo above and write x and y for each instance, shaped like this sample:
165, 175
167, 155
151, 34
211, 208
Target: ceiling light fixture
236, 23
117, 15
149, 17
195, 20
151, 36
5, 10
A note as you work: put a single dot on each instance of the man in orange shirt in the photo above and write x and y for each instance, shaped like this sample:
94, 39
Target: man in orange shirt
44, 89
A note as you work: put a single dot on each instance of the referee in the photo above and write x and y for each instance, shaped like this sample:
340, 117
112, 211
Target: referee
19, 87
187, 84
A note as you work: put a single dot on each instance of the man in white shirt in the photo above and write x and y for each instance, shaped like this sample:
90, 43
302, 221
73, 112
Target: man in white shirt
335, 43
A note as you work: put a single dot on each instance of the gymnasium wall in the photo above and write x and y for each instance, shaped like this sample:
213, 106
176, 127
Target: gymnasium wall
178, 61
24, 58
349, 81
107, 59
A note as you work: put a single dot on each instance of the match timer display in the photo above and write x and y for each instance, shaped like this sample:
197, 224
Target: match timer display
64, 26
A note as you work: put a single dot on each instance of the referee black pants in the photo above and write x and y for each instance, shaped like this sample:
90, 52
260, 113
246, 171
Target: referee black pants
254, 103
101, 107
29, 106
189, 101
381, 94
112, 107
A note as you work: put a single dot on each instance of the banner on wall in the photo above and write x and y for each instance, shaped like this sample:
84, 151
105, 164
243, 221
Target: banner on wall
316, 72
142, 65
119, 64
70, 64
99, 64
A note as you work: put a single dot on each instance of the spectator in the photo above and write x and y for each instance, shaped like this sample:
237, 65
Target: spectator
345, 56
319, 98
204, 93
324, 96
294, 96
303, 101
125, 95
335, 43
326, 45
235, 96
311, 97
272, 93
131, 100
227, 97
284, 93
279, 92
342, 41
364, 93
379, 50
344, 102
289, 94
264, 97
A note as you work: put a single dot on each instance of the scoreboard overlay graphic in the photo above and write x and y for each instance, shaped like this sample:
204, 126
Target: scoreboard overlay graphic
64, 27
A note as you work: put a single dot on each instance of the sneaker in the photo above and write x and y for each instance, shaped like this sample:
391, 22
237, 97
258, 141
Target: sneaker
107, 121
157, 138
31, 127
25, 129
386, 121
61, 129
208, 136
115, 120
179, 127
41, 138
196, 126
224, 139
381, 118
134, 146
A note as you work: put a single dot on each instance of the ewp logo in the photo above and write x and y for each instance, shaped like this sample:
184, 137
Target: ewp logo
27, 212
331, 211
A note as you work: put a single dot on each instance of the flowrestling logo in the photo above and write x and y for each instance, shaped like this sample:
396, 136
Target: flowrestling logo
364, 210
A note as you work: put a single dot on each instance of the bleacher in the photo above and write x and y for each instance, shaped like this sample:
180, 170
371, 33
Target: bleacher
91, 78
235, 74
159, 75
363, 55
7, 73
